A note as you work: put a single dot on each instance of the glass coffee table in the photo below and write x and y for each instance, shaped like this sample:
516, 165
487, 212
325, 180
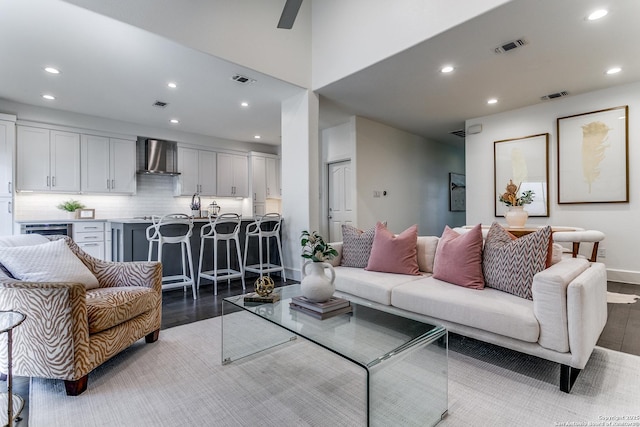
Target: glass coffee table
405, 360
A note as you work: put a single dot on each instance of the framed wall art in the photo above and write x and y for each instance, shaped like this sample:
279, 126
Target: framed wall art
593, 160
457, 192
525, 162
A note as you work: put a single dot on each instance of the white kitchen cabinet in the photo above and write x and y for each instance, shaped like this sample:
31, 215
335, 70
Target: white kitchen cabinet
258, 177
90, 237
6, 216
265, 177
197, 172
48, 160
273, 177
108, 165
233, 175
7, 142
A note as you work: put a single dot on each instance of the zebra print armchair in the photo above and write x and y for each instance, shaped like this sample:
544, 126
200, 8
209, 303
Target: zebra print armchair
70, 330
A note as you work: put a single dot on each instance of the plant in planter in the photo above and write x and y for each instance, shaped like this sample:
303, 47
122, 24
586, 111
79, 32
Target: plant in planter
315, 285
71, 206
516, 216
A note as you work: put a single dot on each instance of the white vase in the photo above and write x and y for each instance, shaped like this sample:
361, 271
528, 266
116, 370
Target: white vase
516, 216
316, 285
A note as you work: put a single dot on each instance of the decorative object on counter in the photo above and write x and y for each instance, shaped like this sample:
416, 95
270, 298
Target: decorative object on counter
214, 209
71, 206
516, 216
315, 285
195, 205
85, 213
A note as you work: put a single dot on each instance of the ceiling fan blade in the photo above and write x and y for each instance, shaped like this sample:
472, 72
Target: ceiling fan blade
289, 14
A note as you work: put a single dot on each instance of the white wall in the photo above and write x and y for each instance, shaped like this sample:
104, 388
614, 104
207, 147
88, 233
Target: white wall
414, 172
348, 36
619, 221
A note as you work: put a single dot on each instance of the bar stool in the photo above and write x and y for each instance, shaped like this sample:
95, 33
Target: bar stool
174, 229
265, 227
224, 228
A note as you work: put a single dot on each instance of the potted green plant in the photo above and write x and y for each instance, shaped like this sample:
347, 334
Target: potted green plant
71, 206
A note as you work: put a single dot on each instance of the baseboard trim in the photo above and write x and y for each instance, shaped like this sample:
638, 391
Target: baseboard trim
623, 276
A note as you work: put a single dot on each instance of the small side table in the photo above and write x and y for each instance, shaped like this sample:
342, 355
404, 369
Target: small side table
15, 403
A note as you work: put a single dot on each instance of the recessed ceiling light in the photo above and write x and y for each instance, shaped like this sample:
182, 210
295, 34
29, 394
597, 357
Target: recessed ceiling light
597, 14
49, 97
614, 70
446, 69
174, 121
52, 70
172, 85
492, 101
244, 104
256, 136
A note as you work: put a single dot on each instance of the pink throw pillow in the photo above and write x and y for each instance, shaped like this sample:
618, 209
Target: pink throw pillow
394, 254
459, 258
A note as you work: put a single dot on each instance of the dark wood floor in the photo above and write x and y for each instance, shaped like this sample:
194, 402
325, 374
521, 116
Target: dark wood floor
621, 333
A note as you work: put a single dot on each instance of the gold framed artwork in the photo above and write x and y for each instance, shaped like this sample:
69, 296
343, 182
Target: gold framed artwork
525, 161
593, 159
457, 192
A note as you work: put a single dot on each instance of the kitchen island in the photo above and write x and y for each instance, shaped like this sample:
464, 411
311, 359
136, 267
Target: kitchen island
129, 243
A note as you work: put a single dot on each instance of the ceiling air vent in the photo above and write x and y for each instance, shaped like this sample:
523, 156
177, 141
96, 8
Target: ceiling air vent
510, 46
242, 79
460, 132
160, 104
554, 95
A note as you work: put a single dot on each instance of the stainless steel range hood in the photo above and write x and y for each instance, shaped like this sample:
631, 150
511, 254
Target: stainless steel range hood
156, 156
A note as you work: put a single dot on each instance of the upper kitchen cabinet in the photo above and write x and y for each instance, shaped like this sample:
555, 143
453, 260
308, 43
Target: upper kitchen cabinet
108, 165
273, 177
265, 177
48, 160
7, 142
197, 172
233, 175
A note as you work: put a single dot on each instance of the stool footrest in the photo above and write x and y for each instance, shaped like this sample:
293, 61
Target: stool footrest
266, 268
222, 274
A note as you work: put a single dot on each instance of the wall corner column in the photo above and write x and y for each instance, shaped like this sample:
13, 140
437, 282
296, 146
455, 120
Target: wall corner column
300, 156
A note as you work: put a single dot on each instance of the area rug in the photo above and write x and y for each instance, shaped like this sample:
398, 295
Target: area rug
616, 298
179, 380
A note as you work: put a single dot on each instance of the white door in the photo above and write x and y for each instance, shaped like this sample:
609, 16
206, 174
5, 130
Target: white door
240, 176
340, 198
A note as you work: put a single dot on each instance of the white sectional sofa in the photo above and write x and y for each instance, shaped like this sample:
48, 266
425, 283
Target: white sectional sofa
562, 323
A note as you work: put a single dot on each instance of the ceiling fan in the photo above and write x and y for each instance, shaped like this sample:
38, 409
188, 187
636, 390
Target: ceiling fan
289, 14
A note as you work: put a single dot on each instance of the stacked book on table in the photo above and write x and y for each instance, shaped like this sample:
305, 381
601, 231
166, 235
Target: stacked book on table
321, 310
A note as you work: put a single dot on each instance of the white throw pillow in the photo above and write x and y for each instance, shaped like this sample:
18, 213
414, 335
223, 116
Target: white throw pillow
47, 262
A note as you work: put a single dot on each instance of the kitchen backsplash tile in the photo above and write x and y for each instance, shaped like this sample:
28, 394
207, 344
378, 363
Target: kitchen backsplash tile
154, 197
